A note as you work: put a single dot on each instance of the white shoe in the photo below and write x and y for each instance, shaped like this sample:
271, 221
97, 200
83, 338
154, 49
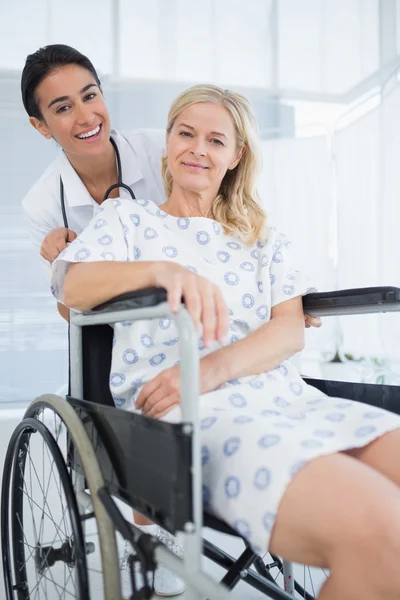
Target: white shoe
165, 582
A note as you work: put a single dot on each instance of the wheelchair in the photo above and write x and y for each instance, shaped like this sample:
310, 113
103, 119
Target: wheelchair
74, 465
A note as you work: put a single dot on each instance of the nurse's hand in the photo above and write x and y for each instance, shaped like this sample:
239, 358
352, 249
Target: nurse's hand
55, 242
203, 299
312, 321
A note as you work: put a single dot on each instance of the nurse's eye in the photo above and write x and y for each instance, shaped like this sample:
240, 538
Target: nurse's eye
62, 109
90, 96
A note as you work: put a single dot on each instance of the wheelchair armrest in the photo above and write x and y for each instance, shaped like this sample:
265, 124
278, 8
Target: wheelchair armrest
353, 301
152, 296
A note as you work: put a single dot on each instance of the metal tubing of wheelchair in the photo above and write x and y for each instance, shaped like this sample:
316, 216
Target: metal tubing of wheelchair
76, 362
118, 316
190, 390
334, 311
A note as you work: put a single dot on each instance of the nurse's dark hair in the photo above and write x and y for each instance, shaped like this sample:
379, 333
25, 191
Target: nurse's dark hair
43, 62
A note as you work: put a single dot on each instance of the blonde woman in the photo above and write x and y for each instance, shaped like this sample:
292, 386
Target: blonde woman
311, 478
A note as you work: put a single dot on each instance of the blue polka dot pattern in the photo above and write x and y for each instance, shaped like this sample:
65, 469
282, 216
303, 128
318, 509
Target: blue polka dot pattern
335, 417
289, 290
172, 342
243, 528
108, 255
243, 419
117, 379
170, 251
260, 286
248, 300
157, 359
262, 312
147, 340
281, 402
278, 257
223, 256
207, 422
205, 455
231, 278
269, 440
183, 223
233, 245
237, 400
100, 223
105, 240
165, 324
231, 446
269, 521
262, 478
136, 253
142, 202
216, 227
161, 213
232, 487
130, 356
135, 219
363, 431
150, 233
247, 266
272, 278
82, 254
203, 237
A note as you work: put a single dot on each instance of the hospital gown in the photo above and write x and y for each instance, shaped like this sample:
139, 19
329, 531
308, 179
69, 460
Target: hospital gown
257, 431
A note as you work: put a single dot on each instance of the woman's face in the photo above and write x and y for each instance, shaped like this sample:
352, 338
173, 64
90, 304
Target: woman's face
74, 112
201, 147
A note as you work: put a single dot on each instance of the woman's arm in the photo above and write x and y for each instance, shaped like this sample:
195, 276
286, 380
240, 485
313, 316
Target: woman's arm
89, 284
261, 350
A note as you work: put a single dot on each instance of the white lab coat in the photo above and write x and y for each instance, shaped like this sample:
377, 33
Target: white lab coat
140, 151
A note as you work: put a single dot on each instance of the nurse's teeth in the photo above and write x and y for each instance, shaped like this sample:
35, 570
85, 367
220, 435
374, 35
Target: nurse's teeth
89, 133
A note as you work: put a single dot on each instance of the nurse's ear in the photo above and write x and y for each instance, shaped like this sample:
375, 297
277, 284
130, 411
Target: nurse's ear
41, 127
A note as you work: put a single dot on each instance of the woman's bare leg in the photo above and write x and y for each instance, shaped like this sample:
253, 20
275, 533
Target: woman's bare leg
341, 514
383, 454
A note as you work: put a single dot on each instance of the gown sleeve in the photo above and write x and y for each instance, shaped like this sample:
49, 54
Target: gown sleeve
103, 239
287, 281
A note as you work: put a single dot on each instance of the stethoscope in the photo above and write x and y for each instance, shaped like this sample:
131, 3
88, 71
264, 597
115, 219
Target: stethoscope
120, 184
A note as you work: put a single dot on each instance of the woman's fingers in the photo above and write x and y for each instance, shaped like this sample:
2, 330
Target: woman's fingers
193, 300
209, 315
222, 316
203, 301
147, 390
161, 407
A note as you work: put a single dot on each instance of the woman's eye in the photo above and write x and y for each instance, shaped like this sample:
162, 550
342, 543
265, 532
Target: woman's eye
217, 142
90, 96
62, 109
185, 134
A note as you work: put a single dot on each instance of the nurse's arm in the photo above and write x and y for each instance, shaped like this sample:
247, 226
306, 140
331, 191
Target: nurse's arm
260, 351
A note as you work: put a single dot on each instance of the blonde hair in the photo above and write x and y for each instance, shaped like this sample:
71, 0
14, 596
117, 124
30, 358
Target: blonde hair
236, 207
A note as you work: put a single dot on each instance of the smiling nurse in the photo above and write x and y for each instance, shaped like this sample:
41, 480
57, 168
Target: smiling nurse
62, 95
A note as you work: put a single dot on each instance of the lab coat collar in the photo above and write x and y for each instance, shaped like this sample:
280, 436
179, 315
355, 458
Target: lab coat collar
75, 191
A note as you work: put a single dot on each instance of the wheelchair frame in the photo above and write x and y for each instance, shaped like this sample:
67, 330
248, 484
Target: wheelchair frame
149, 304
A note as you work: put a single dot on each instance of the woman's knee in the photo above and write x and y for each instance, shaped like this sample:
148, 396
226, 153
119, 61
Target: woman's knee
336, 507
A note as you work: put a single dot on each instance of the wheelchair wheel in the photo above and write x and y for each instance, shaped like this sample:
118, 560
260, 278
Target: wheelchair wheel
307, 581
58, 541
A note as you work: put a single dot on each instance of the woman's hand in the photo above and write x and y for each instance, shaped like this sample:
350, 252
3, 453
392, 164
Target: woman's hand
310, 321
163, 393
55, 242
203, 299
